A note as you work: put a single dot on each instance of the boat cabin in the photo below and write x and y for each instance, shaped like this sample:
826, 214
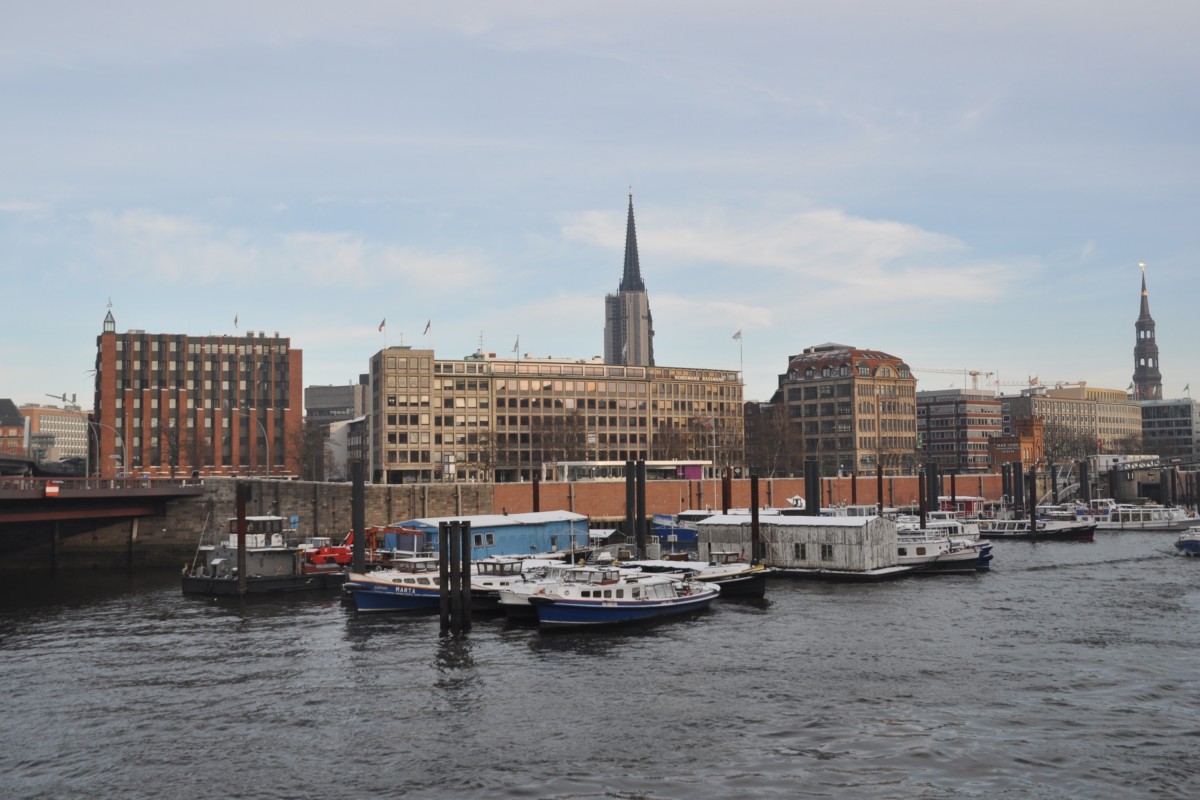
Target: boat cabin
261, 531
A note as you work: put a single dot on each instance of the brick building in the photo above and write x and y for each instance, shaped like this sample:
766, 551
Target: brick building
170, 404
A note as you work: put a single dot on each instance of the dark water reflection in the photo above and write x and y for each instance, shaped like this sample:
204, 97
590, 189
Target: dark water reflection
1067, 672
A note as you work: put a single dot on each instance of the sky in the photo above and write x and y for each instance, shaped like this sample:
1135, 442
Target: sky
967, 186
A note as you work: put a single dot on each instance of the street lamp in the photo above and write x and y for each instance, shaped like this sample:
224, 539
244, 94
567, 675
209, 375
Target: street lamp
245, 412
117, 433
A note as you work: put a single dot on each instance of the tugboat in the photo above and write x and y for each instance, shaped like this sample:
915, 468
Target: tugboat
271, 563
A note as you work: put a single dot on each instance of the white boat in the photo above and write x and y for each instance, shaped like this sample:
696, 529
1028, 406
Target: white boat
1126, 517
940, 548
728, 569
513, 599
1188, 543
1044, 530
492, 575
601, 596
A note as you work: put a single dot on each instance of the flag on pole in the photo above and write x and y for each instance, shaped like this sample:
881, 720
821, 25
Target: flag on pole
427, 324
235, 316
1033, 381
738, 336
1187, 387
382, 323
517, 344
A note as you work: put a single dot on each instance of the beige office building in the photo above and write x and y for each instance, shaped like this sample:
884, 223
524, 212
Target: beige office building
486, 418
1079, 420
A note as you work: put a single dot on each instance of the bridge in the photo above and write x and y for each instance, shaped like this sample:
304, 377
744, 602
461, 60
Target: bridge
25, 500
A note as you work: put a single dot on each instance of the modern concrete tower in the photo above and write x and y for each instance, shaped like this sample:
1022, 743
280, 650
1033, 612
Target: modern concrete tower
628, 326
1147, 380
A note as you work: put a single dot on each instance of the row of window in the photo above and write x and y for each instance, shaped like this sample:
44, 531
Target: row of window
207, 348
801, 551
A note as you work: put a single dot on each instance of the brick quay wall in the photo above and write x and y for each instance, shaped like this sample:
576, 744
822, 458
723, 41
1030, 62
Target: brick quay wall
325, 509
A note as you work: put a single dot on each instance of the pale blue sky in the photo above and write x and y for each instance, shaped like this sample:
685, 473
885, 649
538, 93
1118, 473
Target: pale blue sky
966, 185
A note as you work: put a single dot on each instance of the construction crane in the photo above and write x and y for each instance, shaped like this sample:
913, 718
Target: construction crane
974, 374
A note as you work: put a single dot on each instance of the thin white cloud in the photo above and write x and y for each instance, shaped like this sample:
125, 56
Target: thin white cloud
167, 249
23, 207
839, 257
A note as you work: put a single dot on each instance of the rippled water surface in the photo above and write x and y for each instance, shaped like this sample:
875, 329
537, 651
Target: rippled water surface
1069, 671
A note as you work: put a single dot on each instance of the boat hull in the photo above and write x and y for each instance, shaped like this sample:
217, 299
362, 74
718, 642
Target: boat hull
749, 584
198, 584
369, 597
571, 613
1082, 533
1188, 544
845, 575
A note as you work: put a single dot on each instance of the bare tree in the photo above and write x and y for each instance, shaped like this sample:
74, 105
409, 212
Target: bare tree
173, 440
774, 445
1062, 443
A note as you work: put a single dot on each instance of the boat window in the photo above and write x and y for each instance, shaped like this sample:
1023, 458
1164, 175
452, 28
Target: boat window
800, 551
920, 551
827, 552
903, 551
635, 593
620, 592
608, 592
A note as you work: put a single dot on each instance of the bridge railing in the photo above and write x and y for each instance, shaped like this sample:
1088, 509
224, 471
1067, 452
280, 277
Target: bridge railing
21, 486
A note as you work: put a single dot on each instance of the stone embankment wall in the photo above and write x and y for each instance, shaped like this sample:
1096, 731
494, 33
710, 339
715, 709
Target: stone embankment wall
325, 509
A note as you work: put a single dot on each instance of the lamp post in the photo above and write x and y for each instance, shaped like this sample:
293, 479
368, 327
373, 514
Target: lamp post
245, 412
117, 433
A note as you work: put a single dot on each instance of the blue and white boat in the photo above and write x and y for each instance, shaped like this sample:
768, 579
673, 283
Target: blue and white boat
594, 596
1188, 543
410, 584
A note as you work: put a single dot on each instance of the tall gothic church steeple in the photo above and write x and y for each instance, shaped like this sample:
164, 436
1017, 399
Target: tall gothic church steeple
628, 325
1147, 380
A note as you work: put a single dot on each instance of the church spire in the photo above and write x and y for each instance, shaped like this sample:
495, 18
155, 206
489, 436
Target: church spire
1145, 312
631, 280
1147, 379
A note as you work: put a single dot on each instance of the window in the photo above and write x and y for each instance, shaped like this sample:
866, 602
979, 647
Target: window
801, 555
827, 552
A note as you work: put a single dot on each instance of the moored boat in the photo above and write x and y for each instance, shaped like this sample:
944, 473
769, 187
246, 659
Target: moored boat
600, 596
1124, 517
1188, 543
727, 569
271, 563
410, 584
934, 549
1044, 530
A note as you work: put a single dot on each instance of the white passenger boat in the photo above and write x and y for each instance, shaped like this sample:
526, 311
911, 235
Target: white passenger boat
1125, 517
1044, 530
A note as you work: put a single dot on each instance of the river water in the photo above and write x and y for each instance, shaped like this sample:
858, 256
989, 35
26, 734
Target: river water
1068, 671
